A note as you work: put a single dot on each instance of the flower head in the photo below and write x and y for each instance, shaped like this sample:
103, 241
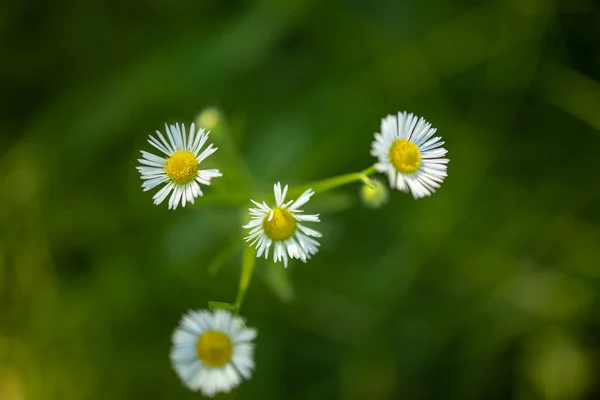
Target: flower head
408, 154
283, 227
180, 170
212, 351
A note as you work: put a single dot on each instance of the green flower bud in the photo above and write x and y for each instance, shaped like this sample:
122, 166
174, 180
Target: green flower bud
374, 193
209, 118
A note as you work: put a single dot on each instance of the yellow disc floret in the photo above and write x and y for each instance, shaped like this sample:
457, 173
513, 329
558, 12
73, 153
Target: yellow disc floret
182, 167
405, 156
281, 226
214, 348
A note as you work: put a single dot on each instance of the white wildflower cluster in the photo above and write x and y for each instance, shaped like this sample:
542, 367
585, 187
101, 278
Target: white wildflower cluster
213, 351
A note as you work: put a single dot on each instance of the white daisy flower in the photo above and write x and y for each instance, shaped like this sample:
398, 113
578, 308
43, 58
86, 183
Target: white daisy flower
212, 351
408, 154
283, 227
179, 171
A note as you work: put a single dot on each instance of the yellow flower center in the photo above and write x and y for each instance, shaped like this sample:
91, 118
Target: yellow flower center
405, 156
182, 167
282, 226
214, 348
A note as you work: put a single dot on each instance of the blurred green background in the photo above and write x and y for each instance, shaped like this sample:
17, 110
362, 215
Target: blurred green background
487, 290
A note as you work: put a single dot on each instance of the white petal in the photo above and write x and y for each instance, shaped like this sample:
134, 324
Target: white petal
172, 141
303, 199
205, 175
184, 337
190, 140
175, 197
308, 231
431, 143
253, 223
434, 153
277, 192
401, 182
150, 163
389, 128
183, 354
417, 189
199, 141
246, 335
207, 152
244, 364
188, 373
177, 136
307, 218
152, 183
168, 146
163, 193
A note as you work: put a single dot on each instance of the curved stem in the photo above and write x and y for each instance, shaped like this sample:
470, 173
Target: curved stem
337, 181
248, 260
236, 199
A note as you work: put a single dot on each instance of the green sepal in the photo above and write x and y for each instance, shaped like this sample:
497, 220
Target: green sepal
220, 305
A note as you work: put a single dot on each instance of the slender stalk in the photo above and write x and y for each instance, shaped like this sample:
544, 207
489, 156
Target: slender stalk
239, 199
248, 260
337, 181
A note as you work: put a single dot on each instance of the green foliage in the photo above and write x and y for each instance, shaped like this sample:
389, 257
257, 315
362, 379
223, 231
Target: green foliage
486, 290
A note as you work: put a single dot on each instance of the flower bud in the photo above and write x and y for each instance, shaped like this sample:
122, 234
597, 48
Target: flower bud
374, 194
209, 118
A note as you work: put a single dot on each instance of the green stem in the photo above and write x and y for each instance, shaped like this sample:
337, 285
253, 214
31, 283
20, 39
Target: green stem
236, 199
248, 259
337, 181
